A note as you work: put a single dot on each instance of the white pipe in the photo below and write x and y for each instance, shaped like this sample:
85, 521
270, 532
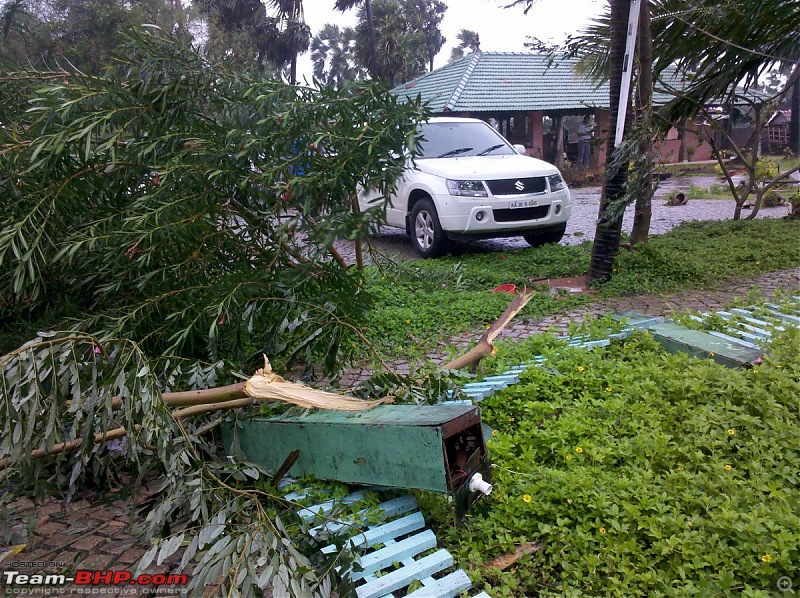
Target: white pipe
476, 484
627, 70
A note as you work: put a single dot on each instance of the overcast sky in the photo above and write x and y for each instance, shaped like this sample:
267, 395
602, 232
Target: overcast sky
500, 29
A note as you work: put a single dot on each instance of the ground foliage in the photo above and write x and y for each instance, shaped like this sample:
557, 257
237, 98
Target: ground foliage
422, 303
639, 473
703, 254
164, 215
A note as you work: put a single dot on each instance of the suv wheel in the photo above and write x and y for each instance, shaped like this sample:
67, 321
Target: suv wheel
546, 235
427, 236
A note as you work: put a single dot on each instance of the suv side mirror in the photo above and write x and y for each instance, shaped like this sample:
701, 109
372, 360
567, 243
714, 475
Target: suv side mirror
520, 149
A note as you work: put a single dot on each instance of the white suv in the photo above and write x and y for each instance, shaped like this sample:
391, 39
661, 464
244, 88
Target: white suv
470, 183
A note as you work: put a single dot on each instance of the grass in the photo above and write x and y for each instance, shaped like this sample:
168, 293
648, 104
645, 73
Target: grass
689, 169
422, 303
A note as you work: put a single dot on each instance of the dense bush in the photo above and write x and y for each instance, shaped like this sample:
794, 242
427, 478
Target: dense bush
641, 474
175, 202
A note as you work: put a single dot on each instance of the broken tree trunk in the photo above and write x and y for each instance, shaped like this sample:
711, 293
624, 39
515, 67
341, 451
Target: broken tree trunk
485, 345
264, 385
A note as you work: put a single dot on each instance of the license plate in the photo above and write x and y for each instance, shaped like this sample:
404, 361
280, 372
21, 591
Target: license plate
527, 203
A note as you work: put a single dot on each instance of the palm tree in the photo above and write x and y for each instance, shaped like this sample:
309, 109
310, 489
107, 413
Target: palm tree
402, 40
607, 234
644, 116
343, 5
466, 40
294, 34
242, 30
333, 56
427, 15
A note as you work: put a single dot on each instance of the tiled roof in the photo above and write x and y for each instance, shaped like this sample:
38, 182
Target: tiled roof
500, 81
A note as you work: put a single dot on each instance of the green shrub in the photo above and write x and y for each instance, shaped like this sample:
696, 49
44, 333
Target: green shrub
698, 254
641, 474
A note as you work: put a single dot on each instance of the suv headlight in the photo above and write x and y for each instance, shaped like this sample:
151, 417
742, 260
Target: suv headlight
466, 188
556, 182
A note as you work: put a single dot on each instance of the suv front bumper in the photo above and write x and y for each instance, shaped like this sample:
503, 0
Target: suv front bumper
502, 216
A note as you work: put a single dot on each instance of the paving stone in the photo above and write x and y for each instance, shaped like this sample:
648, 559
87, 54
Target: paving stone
50, 507
130, 556
51, 528
80, 505
88, 542
113, 528
97, 562
117, 547
20, 505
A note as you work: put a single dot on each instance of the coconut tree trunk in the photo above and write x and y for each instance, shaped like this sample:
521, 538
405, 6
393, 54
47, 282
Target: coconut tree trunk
373, 44
607, 233
794, 124
644, 112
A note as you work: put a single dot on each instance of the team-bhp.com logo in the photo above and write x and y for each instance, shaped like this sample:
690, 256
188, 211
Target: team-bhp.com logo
85, 577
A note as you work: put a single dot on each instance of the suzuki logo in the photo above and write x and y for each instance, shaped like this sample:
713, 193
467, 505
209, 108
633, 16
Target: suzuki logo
519, 185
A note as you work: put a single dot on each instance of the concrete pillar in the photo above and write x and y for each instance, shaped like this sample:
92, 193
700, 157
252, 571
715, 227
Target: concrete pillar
558, 161
601, 133
536, 132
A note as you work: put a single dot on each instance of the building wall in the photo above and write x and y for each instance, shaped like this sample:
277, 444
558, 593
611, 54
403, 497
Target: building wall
539, 146
696, 147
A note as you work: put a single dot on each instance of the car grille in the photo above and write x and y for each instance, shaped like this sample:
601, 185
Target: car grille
517, 186
517, 214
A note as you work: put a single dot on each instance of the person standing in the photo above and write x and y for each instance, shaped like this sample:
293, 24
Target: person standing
584, 141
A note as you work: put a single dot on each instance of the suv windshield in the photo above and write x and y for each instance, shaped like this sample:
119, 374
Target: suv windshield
455, 139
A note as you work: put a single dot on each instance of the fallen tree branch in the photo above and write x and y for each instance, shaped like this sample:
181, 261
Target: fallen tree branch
264, 385
504, 561
204, 396
485, 344
63, 447
209, 407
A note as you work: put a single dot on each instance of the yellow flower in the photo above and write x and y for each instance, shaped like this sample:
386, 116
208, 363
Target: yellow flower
511, 419
569, 457
767, 558
526, 497
711, 353
728, 468
408, 321
581, 368
578, 449
602, 530
609, 389
731, 431
494, 432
